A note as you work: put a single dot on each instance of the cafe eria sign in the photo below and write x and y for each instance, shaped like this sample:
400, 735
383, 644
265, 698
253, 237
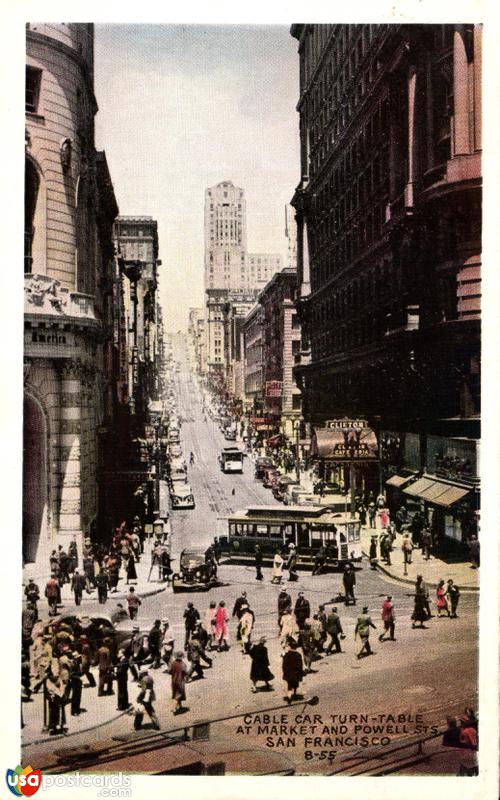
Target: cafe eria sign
345, 440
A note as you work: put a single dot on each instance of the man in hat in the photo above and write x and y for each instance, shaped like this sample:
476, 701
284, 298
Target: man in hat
284, 604
191, 618
77, 586
105, 669
122, 682
52, 593
302, 610
453, 593
362, 628
133, 603
292, 562
75, 682
422, 589
239, 602
349, 581
178, 672
334, 630
102, 586
145, 700
32, 593
154, 639
64, 562
388, 618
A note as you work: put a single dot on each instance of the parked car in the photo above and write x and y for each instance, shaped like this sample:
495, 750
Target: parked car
271, 477
98, 628
197, 570
261, 464
181, 496
175, 450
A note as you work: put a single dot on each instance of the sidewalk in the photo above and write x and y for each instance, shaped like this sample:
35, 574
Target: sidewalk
143, 587
432, 571
99, 711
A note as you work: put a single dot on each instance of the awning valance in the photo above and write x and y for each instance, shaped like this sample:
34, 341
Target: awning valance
398, 480
344, 445
436, 492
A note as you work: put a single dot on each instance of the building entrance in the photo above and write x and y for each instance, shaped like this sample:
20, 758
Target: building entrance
34, 477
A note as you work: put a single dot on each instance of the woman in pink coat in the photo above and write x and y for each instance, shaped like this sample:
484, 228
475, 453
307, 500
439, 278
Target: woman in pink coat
221, 627
384, 517
441, 602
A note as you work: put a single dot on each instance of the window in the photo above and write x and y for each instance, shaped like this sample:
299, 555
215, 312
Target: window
31, 187
33, 81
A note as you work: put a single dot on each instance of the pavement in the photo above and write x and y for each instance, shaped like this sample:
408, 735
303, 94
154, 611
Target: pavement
432, 570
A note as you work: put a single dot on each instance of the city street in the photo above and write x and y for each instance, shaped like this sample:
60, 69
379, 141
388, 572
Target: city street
431, 672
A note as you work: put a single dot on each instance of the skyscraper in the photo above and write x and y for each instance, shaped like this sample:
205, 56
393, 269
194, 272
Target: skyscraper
225, 237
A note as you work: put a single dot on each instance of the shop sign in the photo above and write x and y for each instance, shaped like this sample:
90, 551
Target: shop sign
346, 424
259, 422
274, 388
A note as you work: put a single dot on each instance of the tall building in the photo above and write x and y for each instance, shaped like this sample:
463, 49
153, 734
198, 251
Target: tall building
389, 251
232, 276
271, 344
137, 245
70, 207
196, 332
225, 237
291, 237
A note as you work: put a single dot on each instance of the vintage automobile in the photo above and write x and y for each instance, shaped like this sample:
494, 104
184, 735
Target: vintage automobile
261, 464
181, 495
197, 570
271, 477
97, 628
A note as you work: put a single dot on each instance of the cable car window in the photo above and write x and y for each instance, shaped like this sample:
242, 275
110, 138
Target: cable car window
261, 530
302, 535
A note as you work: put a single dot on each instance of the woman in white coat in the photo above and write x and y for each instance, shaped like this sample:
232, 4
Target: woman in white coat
277, 568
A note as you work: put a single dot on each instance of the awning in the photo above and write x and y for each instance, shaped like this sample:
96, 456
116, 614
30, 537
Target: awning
437, 492
274, 440
398, 480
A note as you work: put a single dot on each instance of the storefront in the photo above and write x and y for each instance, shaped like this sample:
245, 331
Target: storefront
347, 451
450, 509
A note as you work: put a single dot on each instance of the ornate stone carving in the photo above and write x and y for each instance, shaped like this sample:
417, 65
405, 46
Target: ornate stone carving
65, 151
70, 400
71, 426
45, 293
70, 369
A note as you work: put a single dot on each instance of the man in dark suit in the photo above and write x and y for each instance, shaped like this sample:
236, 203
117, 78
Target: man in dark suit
302, 610
333, 629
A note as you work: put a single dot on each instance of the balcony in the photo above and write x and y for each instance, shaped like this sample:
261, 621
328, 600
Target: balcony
44, 296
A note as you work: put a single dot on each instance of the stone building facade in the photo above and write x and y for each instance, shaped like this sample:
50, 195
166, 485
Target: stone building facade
68, 262
389, 240
280, 344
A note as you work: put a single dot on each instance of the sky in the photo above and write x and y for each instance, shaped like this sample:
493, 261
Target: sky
183, 107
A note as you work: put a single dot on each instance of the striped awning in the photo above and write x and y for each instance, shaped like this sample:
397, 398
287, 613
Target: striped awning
436, 492
398, 480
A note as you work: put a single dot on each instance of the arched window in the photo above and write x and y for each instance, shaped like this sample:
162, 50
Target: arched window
31, 190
